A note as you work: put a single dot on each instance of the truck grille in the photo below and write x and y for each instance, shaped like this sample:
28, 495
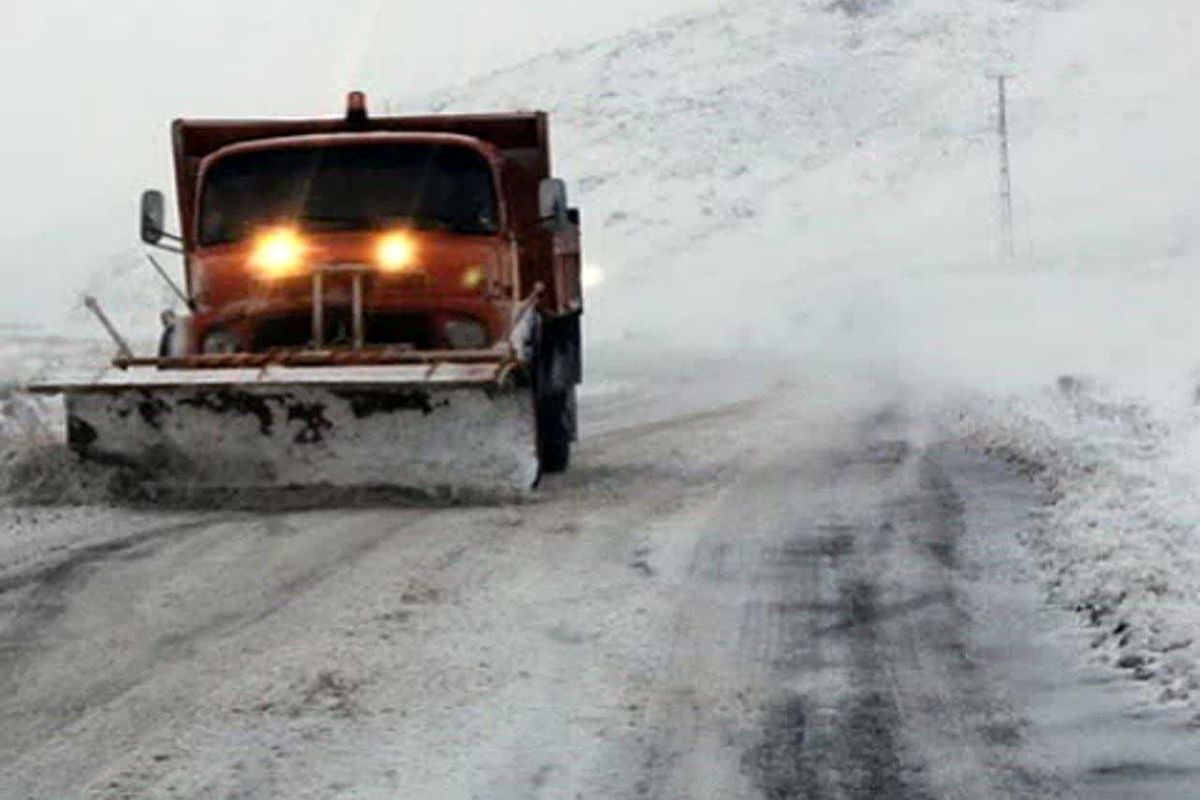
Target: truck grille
295, 331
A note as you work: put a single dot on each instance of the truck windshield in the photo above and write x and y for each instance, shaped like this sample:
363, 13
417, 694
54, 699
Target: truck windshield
348, 187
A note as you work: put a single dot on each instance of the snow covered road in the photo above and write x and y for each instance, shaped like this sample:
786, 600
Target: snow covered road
788, 590
753, 583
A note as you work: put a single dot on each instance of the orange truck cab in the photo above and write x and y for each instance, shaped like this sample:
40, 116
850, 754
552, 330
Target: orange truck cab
425, 233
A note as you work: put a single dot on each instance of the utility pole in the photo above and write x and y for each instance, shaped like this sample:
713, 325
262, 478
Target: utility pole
1006, 197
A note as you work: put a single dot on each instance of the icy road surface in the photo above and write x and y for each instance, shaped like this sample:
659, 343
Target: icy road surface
788, 589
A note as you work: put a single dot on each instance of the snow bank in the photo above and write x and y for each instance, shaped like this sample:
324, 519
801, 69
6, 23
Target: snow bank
1120, 539
34, 465
28, 355
1111, 166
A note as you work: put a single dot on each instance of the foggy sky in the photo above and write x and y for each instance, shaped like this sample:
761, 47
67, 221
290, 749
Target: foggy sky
90, 89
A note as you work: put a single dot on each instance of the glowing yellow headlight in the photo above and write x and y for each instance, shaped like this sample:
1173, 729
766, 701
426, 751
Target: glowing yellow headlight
278, 252
395, 252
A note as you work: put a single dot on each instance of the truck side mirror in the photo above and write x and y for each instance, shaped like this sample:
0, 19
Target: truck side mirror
153, 216
552, 203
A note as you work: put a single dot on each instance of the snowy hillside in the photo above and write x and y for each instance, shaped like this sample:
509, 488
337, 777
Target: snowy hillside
826, 180
817, 181
762, 147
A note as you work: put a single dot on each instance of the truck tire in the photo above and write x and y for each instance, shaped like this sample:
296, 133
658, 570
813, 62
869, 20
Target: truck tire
556, 429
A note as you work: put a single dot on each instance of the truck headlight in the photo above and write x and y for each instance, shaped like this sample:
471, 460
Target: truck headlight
465, 334
218, 341
395, 252
277, 253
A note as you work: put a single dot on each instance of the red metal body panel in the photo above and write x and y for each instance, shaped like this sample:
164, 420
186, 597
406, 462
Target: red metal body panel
452, 276
517, 144
522, 254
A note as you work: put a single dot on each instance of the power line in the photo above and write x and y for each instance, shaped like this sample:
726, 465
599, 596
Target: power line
1008, 244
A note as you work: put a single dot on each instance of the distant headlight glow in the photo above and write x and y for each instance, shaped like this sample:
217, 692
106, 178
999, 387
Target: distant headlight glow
472, 278
591, 276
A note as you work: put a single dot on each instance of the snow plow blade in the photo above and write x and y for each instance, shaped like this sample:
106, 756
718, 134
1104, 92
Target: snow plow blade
445, 430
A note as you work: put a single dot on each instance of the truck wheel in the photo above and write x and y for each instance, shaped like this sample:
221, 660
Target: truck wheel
556, 429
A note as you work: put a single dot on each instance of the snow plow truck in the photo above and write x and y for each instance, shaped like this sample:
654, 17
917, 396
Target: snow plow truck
371, 302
